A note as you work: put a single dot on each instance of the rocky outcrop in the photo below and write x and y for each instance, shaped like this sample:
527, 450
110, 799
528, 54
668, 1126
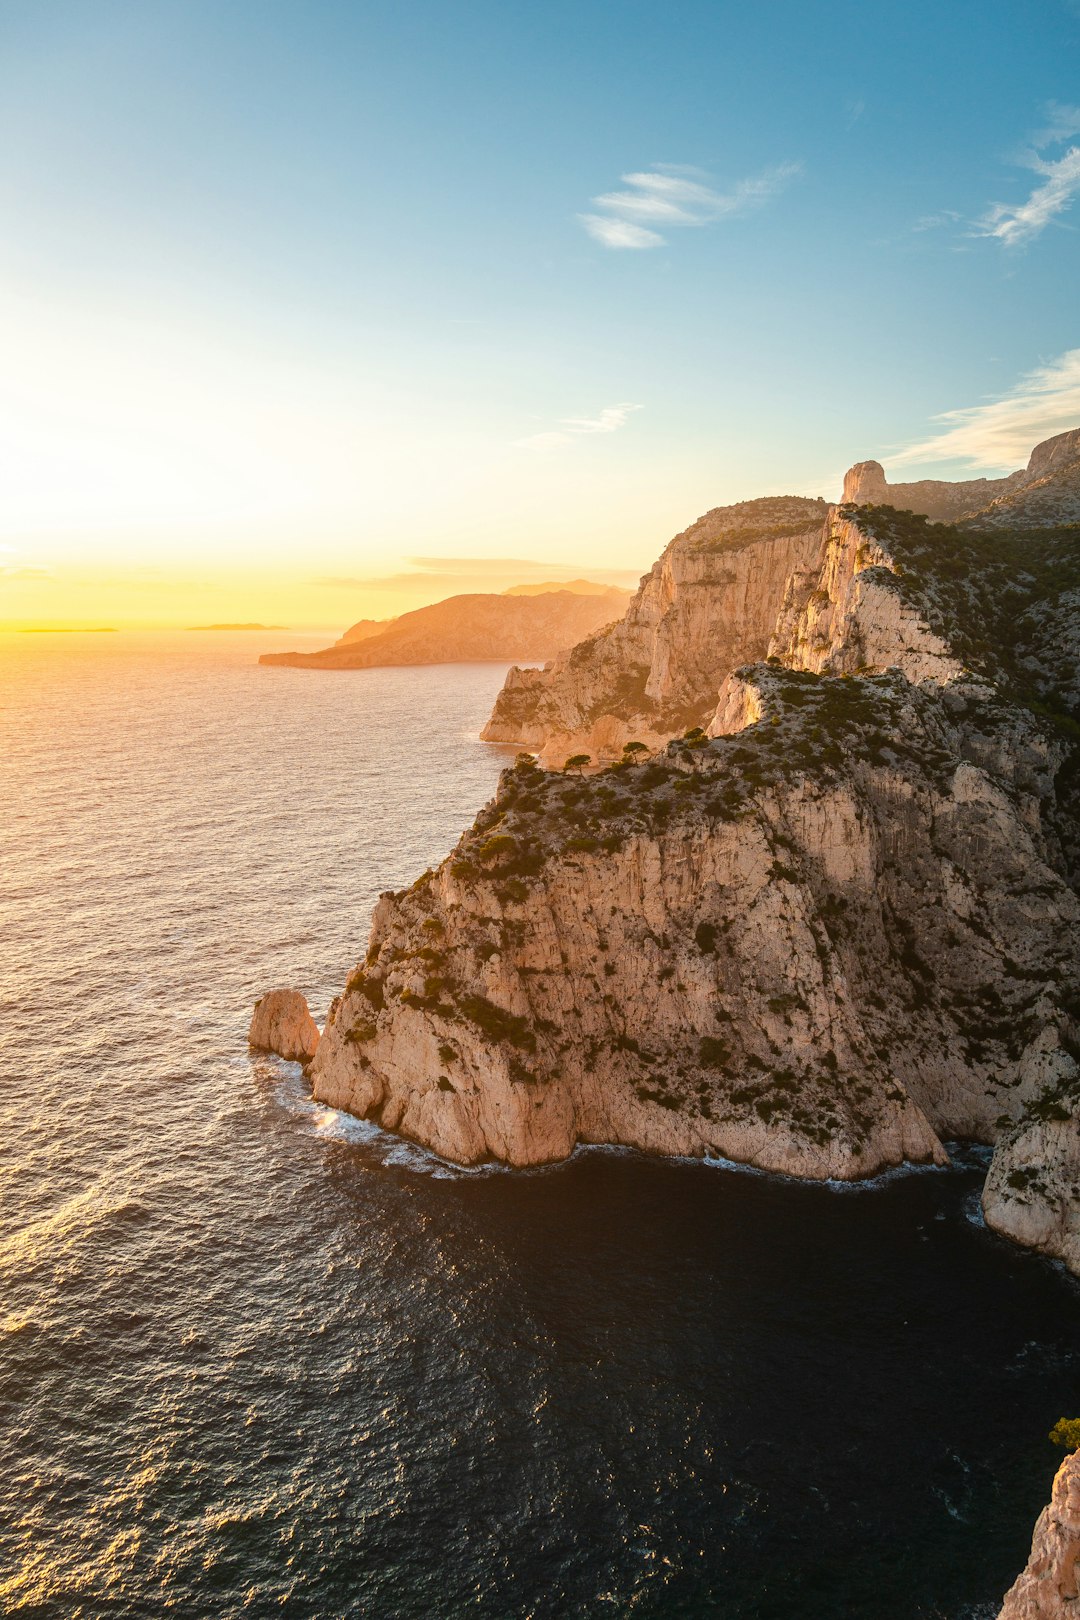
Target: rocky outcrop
469, 629
728, 589
1049, 1588
708, 605
282, 1023
1047, 490
818, 945
823, 933
1032, 1192
865, 485
1049, 494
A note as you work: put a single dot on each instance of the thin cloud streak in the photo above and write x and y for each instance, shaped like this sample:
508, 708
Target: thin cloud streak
620, 233
1002, 432
1015, 224
666, 196
609, 420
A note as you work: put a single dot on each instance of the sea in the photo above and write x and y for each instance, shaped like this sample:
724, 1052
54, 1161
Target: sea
259, 1358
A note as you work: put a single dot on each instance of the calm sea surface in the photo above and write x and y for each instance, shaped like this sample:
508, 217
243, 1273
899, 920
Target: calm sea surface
257, 1358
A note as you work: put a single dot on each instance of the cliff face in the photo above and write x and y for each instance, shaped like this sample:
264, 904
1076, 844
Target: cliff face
865, 484
468, 629
1049, 1588
1047, 490
837, 931
708, 604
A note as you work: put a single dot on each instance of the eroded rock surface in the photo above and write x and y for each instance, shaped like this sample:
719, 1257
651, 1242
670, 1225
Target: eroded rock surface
708, 604
837, 930
1049, 1588
282, 1023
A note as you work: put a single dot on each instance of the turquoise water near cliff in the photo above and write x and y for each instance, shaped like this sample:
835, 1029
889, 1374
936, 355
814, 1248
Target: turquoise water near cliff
257, 1358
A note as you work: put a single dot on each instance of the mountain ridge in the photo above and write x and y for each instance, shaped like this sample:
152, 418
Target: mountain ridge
477, 627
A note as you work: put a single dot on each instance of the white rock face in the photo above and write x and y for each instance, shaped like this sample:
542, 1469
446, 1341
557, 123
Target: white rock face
1032, 1192
788, 973
865, 484
283, 1024
846, 616
708, 605
833, 933
1049, 1588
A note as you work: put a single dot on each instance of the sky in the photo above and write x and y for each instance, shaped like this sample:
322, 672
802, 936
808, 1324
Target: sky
314, 310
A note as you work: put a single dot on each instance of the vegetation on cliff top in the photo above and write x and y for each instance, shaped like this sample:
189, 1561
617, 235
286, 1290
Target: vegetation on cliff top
990, 594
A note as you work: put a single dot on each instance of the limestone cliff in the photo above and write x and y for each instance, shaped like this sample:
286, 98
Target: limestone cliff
707, 605
834, 933
711, 600
1049, 1588
468, 629
865, 484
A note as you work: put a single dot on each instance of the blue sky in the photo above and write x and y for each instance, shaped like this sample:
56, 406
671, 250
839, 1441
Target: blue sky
328, 285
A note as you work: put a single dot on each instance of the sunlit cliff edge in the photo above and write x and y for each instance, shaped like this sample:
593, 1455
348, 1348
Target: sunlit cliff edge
829, 930
1048, 1588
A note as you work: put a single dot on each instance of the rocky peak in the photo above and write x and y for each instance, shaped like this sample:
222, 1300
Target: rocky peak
864, 484
1054, 454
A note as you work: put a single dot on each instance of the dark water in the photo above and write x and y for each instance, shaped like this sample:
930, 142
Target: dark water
256, 1358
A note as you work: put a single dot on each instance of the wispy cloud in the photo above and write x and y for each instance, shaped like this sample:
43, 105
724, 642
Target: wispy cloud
620, 233
670, 195
1002, 432
1016, 223
930, 222
609, 420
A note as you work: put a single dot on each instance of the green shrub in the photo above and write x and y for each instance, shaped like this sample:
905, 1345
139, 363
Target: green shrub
713, 1053
1066, 1432
500, 844
497, 1023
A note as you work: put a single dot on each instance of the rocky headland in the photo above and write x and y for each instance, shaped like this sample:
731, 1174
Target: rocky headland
830, 923
468, 629
1049, 1587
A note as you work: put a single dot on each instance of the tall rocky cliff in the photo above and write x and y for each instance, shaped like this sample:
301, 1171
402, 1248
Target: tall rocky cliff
829, 929
708, 604
1049, 1587
711, 602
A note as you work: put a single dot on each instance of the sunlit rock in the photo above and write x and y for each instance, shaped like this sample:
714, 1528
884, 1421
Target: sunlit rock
282, 1023
1049, 1588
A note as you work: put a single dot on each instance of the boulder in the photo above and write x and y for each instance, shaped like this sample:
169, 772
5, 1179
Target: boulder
282, 1023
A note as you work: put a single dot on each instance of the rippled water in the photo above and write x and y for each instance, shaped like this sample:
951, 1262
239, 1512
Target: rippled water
257, 1358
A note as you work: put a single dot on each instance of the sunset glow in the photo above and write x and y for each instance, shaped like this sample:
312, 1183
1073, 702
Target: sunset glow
256, 345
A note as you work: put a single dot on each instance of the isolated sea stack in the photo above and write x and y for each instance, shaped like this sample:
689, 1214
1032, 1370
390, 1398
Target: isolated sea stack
282, 1023
830, 923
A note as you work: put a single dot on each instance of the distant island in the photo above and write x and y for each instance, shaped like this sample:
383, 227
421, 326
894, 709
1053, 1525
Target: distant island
237, 627
525, 623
